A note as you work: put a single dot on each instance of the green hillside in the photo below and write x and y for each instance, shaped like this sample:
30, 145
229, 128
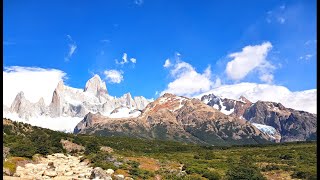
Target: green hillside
146, 159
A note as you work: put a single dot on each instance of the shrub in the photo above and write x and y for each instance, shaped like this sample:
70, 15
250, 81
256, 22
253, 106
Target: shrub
244, 170
304, 175
144, 174
211, 175
286, 156
10, 166
134, 164
91, 147
23, 150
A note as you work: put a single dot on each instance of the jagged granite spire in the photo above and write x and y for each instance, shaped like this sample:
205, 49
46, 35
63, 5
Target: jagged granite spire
96, 86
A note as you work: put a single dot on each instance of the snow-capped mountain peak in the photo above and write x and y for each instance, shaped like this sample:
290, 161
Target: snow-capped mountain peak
73, 103
96, 86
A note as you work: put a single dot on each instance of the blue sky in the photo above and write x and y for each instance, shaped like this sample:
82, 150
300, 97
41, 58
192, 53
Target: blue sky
82, 38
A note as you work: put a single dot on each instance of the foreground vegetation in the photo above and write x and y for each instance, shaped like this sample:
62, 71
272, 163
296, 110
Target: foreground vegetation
146, 159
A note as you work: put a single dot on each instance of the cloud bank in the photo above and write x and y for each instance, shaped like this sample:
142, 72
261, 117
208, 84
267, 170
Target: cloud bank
33, 81
299, 100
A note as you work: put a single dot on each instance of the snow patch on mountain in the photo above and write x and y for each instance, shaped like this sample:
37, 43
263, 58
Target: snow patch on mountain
269, 130
124, 112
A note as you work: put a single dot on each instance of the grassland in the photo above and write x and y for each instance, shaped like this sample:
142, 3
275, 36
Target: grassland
148, 159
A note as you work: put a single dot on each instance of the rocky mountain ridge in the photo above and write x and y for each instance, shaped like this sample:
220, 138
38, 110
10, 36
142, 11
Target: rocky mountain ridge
284, 124
72, 102
172, 117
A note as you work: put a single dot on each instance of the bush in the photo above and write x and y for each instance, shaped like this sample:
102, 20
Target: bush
44, 150
211, 175
304, 175
244, 170
10, 166
144, 174
209, 156
92, 147
286, 156
134, 164
23, 150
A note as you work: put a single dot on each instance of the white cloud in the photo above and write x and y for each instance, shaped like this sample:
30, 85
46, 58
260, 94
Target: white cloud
114, 76
167, 63
133, 60
268, 78
72, 48
33, 81
299, 100
249, 59
278, 14
187, 81
125, 59
306, 57
309, 42
138, 2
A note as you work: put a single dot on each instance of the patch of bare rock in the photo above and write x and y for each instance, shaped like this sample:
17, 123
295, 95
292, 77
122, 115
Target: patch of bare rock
63, 167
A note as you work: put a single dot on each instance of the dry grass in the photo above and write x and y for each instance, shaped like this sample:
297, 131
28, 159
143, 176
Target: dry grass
121, 171
146, 163
278, 175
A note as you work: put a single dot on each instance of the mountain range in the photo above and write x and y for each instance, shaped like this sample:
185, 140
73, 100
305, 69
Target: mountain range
72, 104
206, 119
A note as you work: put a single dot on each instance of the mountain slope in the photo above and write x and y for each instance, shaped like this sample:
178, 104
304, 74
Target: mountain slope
176, 118
289, 124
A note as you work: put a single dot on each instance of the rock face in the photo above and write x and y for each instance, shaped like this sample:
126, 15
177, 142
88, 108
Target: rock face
96, 86
289, 124
71, 102
176, 118
293, 125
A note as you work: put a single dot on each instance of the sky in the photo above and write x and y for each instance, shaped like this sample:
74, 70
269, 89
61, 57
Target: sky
149, 47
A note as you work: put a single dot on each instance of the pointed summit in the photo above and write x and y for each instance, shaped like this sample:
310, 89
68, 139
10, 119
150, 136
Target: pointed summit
60, 86
96, 86
21, 106
242, 98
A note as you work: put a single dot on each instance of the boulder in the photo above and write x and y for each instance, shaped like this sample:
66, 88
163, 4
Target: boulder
119, 177
50, 173
6, 151
128, 178
98, 172
110, 171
